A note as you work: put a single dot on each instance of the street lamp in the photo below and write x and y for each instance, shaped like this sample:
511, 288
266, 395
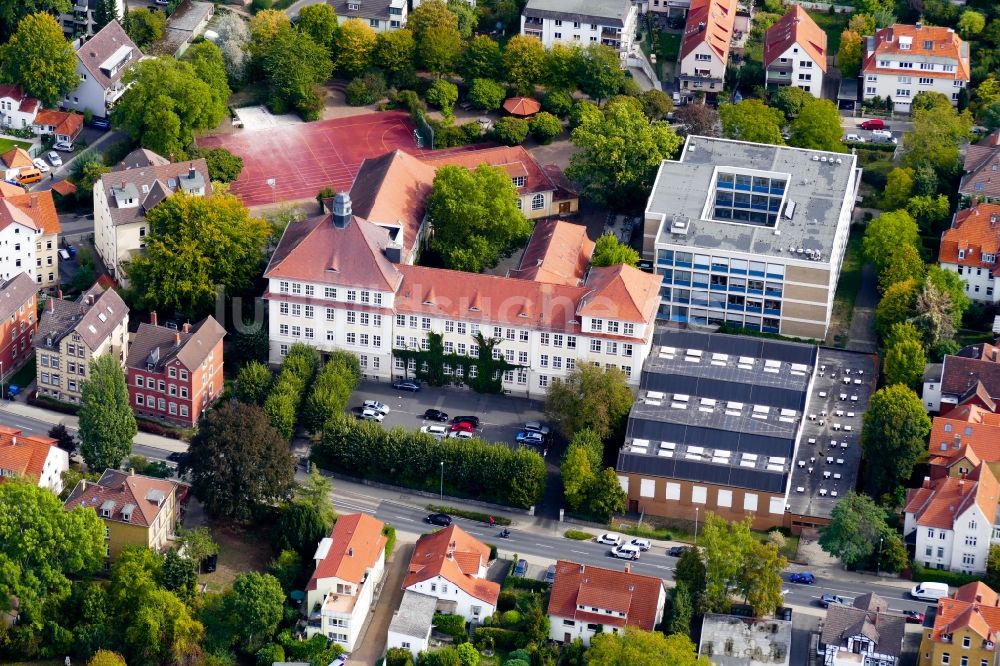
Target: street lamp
878, 561
442, 479
696, 525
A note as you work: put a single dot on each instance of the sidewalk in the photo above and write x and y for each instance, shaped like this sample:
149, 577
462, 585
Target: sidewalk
73, 423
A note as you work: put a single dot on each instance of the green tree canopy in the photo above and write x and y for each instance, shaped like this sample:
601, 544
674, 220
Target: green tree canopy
223, 166
264, 29
817, 127
886, 233
395, 51
619, 153
635, 647
929, 211
656, 104
486, 94
904, 358
898, 304
253, 382
898, 188
863, 24
107, 423
438, 49
481, 59
857, 523
38, 57
524, 62
971, 23
430, 14
905, 263
597, 399
210, 66
609, 251
12, 13
294, 65
752, 120
545, 127
443, 94
353, 45
760, 577
467, 17
319, 21
894, 434
254, 606
238, 462
600, 71
195, 244
790, 100
475, 217
937, 133
145, 27
577, 475
849, 53
606, 497
563, 66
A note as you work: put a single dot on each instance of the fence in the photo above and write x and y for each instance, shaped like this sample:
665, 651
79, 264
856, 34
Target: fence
424, 134
638, 60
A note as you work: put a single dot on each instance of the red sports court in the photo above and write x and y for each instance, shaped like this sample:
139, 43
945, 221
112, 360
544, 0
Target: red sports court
304, 158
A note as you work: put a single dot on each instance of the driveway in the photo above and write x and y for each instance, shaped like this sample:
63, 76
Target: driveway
373, 636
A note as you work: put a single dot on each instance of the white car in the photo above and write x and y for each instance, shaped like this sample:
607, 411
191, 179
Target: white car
435, 431
857, 138
461, 434
625, 552
371, 415
641, 544
54, 158
64, 146
609, 539
40, 164
380, 407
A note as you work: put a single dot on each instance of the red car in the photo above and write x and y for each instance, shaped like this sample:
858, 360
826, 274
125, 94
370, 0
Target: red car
462, 425
873, 124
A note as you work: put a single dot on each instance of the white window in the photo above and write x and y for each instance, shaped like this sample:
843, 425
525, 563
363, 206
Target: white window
647, 488
702, 57
518, 181
595, 346
699, 494
749, 502
725, 499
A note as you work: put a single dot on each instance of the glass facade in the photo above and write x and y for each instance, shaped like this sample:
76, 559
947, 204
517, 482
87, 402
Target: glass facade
748, 199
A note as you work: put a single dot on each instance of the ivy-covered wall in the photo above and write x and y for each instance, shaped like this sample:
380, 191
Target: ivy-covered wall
431, 362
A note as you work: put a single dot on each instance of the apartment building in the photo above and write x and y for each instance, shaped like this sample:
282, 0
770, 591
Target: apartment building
967, 436
970, 248
18, 323
340, 281
124, 196
705, 47
588, 600
964, 628
795, 53
972, 376
136, 510
102, 61
175, 376
981, 182
582, 22
349, 567
32, 457
19, 236
903, 60
751, 235
379, 15
73, 333
80, 20
43, 263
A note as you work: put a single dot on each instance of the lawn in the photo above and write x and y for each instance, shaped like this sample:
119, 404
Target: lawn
832, 25
240, 551
669, 47
6, 144
847, 289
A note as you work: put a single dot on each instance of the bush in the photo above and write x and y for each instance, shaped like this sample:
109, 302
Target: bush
493, 552
486, 94
366, 89
407, 100
511, 131
578, 535
389, 532
223, 166
876, 174
331, 390
472, 132
443, 94
452, 625
446, 133
289, 389
953, 578
507, 601
267, 655
545, 127
510, 618
398, 657
471, 515
501, 639
260, 5
558, 103
529, 584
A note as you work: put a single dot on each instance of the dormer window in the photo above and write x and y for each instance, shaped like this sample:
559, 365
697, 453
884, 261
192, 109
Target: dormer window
961, 254
518, 181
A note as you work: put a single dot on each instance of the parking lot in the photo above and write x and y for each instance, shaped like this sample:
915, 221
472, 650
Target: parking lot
500, 416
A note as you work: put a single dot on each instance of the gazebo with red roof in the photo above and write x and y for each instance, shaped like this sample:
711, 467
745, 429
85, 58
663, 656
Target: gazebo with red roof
522, 106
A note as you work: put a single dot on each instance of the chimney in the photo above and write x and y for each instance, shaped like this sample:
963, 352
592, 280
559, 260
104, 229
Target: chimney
83, 484
927, 482
191, 171
152, 317
341, 210
59, 293
131, 471
177, 339
34, 201
350, 552
187, 327
13, 441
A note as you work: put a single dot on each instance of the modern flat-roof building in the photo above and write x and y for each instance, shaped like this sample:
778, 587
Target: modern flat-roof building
750, 235
582, 22
745, 427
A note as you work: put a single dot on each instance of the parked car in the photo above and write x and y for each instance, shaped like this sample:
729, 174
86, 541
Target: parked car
28, 175
435, 415
462, 425
40, 164
406, 385
804, 578
609, 539
883, 136
520, 568
913, 617
828, 599
625, 552
176, 457
63, 146
100, 123
677, 551
857, 138
474, 420
539, 427
72, 251
54, 158
377, 406
442, 519
641, 544
550, 574
527, 437
462, 434
435, 431
874, 124
371, 415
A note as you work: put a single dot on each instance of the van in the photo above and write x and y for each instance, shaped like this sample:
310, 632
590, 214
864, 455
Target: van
929, 591
29, 175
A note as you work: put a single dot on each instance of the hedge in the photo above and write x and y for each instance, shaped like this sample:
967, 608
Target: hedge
529, 584
471, 515
289, 390
332, 389
953, 578
578, 535
389, 532
451, 625
502, 639
472, 468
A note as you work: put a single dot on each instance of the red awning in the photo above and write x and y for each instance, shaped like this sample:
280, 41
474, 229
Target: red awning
522, 106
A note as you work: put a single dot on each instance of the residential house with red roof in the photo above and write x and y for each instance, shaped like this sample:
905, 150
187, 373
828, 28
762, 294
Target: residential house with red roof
970, 248
795, 52
175, 376
967, 436
705, 47
964, 630
586, 600
981, 182
136, 510
41, 208
972, 376
900, 61
32, 457
17, 110
950, 521
450, 565
18, 322
63, 126
19, 235
102, 62
864, 632
349, 566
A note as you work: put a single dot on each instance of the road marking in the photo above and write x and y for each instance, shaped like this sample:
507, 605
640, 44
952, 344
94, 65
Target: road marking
412, 520
580, 552
542, 545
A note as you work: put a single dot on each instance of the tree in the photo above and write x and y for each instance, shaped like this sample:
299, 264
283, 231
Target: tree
467, 17
38, 58
790, 100
253, 382
64, 438
752, 120
234, 38
970, 24
993, 566
87, 170
938, 132
265, 26
727, 548
589, 397
430, 14
898, 189
609, 251
524, 62
210, 66
817, 127
486, 94
481, 59
196, 543
578, 477
584, 111
238, 462
353, 45
443, 94
991, 116
849, 54
315, 492
106, 658
950, 284
606, 495
12, 13
300, 528
511, 131
439, 48
635, 647
862, 24
475, 217
254, 606
180, 575
105, 13
697, 119
145, 27
690, 573
856, 525
681, 611
319, 22
886, 233
897, 304
600, 71
294, 65
545, 127
107, 423
223, 166
466, 651
395, 51
195, 244
399, 657
904, 358
929, 211
760, 578
904, 264
619, 154
563, 67
656, 104
165, 104
894, 433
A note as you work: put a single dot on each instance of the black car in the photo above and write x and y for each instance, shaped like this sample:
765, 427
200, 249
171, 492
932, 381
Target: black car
406, 385
435, 415
100, 123
176, 457
442, 519
677, 551
474, 420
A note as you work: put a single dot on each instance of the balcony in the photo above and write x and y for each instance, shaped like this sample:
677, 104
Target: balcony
111, 95
532, 21
779, 76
